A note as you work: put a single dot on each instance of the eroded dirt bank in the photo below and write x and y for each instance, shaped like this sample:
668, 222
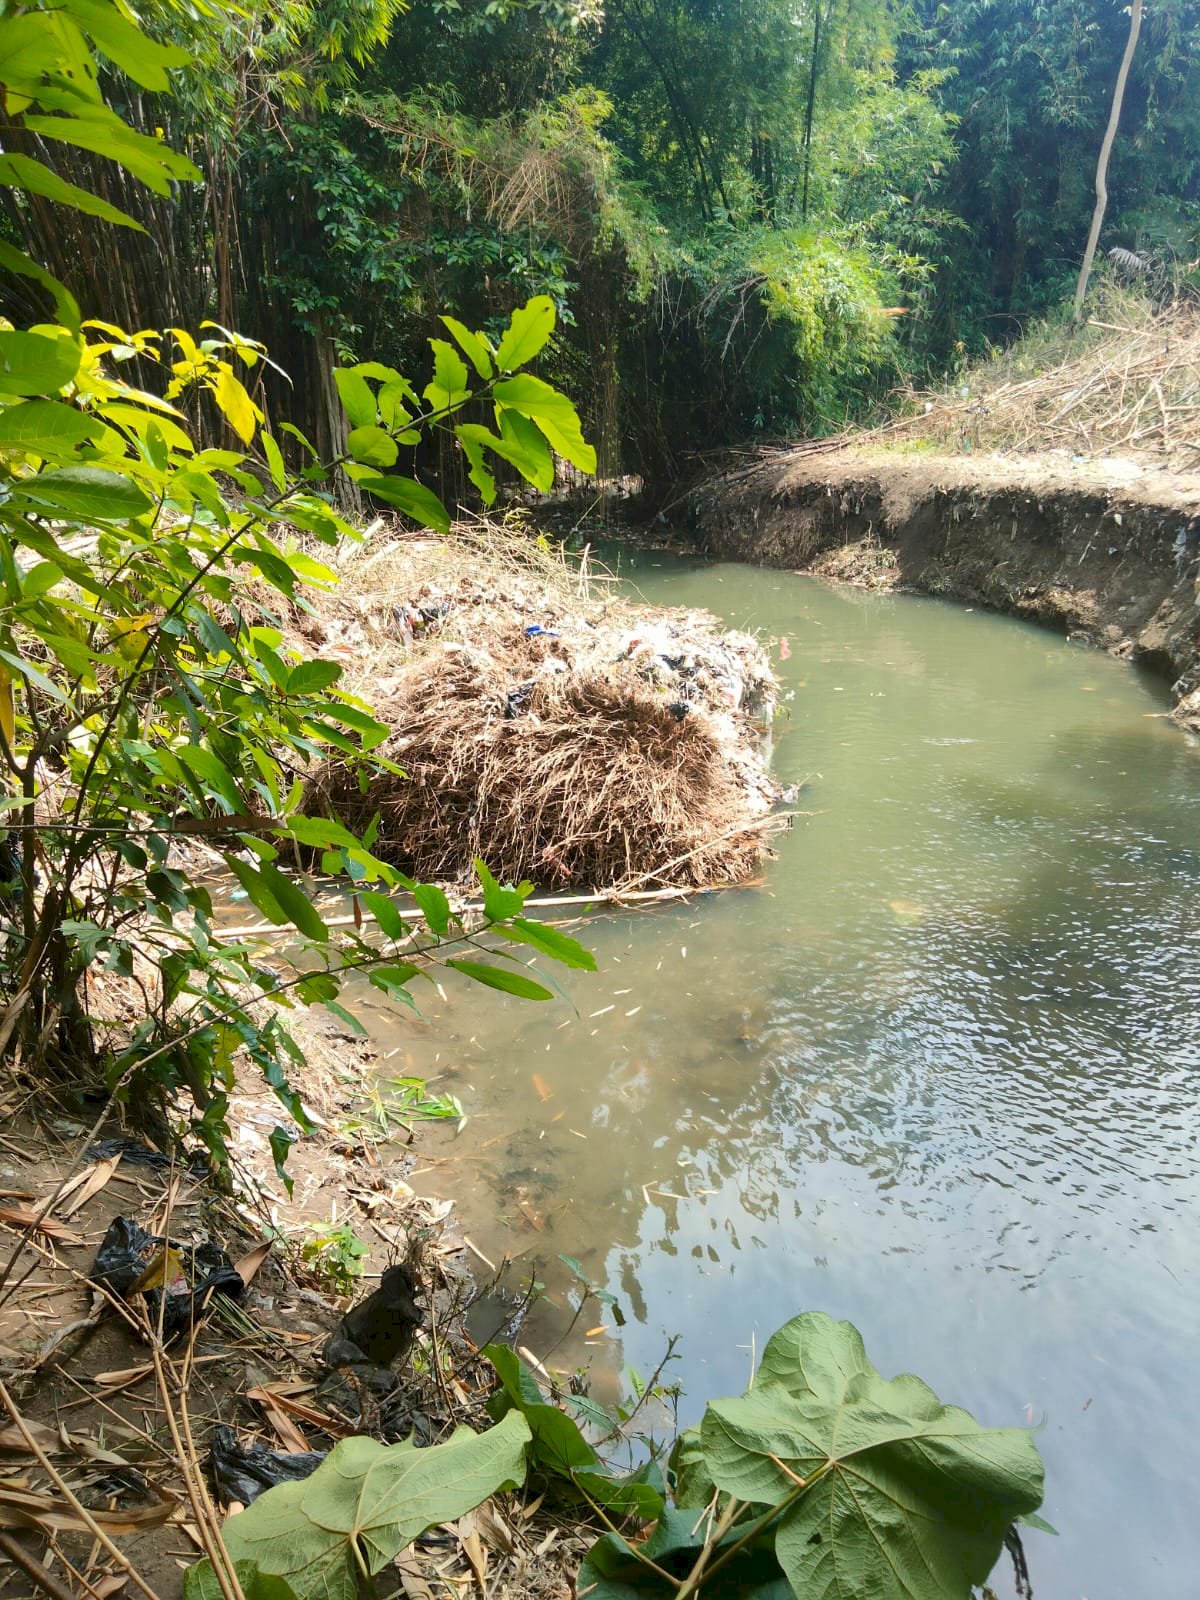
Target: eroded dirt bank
1107, 550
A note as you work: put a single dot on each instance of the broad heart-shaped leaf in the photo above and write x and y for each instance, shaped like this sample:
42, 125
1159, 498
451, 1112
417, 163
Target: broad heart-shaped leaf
365, 1497
612, 1570
907, 1499
528, 329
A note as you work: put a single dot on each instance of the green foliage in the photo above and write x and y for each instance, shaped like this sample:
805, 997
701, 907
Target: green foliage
559, 1452
325, 1537
825, 1479
336, 1253
147, 693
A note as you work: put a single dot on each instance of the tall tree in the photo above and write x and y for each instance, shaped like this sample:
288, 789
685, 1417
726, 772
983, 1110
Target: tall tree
1110, 134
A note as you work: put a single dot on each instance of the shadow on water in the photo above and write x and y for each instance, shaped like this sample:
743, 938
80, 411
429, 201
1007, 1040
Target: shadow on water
938, 1076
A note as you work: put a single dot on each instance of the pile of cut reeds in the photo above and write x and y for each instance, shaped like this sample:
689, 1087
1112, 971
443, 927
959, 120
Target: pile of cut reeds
558, 731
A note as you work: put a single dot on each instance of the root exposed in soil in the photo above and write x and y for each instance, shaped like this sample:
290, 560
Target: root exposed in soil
560, 733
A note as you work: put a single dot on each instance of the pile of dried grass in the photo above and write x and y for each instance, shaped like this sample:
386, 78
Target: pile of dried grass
1128, 383
561, 733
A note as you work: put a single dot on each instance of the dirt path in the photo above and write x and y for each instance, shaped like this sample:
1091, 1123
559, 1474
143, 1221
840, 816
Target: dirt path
1105, 549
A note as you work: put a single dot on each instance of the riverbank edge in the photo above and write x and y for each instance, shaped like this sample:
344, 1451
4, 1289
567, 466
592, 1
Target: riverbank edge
1107, 551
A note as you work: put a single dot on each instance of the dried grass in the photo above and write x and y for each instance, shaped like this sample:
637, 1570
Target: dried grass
1128, 383
575, 756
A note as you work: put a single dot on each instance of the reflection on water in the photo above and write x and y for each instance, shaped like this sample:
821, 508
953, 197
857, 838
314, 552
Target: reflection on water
939, 1074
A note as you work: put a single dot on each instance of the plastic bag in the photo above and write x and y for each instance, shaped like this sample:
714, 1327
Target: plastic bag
176, 1279
241, 1472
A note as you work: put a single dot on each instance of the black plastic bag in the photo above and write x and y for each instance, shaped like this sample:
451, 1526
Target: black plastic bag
241, 1472
126, 1254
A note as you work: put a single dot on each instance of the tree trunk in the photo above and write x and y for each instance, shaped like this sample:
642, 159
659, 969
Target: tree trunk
1089, 255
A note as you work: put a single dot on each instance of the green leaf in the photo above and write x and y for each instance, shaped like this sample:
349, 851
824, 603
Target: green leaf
211, 771
365, 1498
294, 903
275, 463
478, 473
99, 130
35, 363
391, 923
528, 329
125, 45
87, 493
473, 347
373, 447
499, 904
532, 458
553, 413
449, 374
320, 832
550, 941
907, 1499
311, 677
435, 908
527, 450
501, 978
612, 1570
22, 172
414, 499
13, 260
357, 396
45, 427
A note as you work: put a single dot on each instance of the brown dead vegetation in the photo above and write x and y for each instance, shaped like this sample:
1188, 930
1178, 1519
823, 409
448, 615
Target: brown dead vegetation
557, 731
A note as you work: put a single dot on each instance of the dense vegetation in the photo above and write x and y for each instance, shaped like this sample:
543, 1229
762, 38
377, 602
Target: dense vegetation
753, 219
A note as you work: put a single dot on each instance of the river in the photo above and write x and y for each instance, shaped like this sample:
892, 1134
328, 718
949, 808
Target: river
938, 1074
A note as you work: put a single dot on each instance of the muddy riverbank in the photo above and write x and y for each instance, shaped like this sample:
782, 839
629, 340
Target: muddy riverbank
1104, 549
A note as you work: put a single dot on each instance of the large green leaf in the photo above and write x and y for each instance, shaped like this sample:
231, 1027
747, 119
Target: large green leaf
528, 329
89, 493
559, 1449
550, 941
23, 172
553, 413
373, 447
142, 58
47, 427
36, 363
365, 1502
97, 129
473, 345
501, 978
65, 303
906, 1499
414, 499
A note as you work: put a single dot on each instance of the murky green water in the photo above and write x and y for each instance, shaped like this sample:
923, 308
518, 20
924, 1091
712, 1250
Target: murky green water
941, 1075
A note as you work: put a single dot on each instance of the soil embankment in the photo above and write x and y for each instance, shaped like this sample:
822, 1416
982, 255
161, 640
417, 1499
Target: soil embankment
1108, 550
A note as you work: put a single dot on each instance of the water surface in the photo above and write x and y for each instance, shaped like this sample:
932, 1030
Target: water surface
938, 1075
